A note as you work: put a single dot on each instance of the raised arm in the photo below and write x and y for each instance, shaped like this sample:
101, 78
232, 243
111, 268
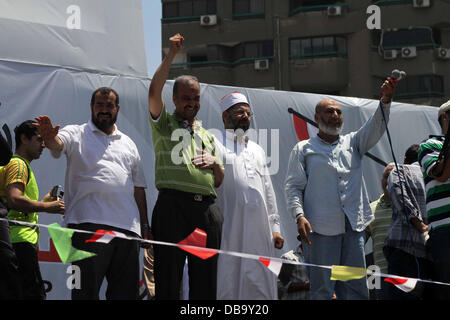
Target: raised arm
49, 133
155, 102
370, 133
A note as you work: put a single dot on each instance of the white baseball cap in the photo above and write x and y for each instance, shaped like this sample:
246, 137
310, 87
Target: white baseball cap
444, 108
231, 99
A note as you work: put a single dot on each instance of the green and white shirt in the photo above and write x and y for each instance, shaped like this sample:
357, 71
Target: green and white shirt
437, 193
174, 147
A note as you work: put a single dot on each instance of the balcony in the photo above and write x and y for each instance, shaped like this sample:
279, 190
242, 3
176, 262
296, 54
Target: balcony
319, 73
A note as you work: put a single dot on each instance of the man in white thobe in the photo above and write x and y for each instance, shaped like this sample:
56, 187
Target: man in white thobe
247, 199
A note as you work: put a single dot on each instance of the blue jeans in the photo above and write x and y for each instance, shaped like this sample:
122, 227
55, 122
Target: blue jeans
345, 249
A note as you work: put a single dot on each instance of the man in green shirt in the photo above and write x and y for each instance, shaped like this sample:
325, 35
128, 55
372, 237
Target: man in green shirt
19, 189
434, 160
187, 172
377, 229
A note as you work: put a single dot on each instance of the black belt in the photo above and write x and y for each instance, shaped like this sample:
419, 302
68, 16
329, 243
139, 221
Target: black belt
188, 195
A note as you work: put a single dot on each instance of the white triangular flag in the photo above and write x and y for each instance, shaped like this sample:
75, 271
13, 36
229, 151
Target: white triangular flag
273, 265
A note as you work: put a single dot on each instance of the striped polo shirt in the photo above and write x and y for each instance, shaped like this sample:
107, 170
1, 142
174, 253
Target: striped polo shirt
437, 193
174, 147
378, 230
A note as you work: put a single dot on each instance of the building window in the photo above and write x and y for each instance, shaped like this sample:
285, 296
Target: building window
251, 50
416, 86
197, 58
313, 5
248, 9
230, 56
220, 53
170, 10
417, 37
389, 2
330, 46
186, 10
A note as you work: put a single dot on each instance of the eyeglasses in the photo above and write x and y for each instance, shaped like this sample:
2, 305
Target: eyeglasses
240, 113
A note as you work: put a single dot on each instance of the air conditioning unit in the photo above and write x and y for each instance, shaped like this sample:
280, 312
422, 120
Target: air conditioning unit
421, 3
409, 52
443, 53
262, 64
390, 54
208, 20
334, 11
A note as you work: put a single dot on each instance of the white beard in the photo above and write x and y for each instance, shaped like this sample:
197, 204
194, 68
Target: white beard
332, 131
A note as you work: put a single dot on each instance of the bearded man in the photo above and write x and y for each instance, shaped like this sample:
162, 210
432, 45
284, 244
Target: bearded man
186, 180
248, 202
104, 189
326, 195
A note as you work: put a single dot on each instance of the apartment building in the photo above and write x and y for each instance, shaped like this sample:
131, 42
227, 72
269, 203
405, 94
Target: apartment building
317, 46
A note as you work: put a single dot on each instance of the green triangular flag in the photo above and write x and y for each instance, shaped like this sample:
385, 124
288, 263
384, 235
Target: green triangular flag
62, 239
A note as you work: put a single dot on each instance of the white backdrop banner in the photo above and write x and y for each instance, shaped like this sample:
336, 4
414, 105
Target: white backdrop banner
103, 35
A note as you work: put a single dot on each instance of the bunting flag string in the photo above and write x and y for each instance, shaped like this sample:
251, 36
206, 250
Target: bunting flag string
406, 285
197, 239
345, 273
273, 265
195, 244
105, 236
62, 239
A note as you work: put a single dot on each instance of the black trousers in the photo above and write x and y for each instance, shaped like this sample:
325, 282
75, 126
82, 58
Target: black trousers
118, 261
175, 216
439, 247
30, 273
10, 283
404, 264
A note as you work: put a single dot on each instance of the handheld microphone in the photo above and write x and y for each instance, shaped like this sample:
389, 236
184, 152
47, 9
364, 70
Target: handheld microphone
398, 75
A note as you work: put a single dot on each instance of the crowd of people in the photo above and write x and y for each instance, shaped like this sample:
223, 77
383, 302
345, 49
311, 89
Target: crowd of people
221, 185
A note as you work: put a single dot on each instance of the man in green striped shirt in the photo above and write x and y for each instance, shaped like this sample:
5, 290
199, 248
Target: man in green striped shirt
436, 172
187, 172
378, 228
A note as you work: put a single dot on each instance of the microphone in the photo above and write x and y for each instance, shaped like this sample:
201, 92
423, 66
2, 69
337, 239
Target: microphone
398, 75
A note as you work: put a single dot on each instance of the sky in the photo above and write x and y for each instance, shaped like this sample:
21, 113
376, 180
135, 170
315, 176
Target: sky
152, 12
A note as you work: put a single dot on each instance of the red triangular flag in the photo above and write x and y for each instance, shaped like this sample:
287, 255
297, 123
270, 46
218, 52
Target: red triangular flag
198, 239
406, 285
104, 236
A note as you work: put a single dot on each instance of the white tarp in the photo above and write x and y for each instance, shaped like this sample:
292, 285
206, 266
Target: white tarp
102, 35
28, 91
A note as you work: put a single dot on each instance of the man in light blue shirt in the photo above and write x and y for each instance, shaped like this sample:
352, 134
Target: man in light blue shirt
326, 195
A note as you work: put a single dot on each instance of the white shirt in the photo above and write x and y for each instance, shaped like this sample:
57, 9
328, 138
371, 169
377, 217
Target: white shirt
248, 203
102, 171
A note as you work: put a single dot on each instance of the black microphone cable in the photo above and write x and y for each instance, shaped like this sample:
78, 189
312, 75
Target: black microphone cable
397, 76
